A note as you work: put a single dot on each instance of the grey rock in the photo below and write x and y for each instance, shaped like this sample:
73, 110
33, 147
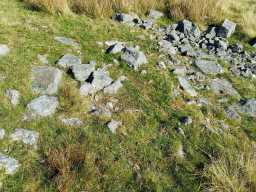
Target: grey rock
113, 125
188, 28
223, 87
67, 41
73, 122
227, 29
209, 66
247, 107
46, 80
9, 164
42, 106
13, 95
4, 50
133, 57
187, 87
147, 24
26, 136
154, 14
180, 70
232, 114
173, 36
68, 60
87, 89
114, 87
82, 72
101, 80
115, 48
167, 47
2, 134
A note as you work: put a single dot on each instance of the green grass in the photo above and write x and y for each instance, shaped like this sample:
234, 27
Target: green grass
142, 156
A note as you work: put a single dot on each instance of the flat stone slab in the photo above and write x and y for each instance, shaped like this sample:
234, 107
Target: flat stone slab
13, 96
68, 61
82, 72
26, 136
115, 48
187, 87
46, 80
114, 87
4, 50
42, 106
247, 107
67, 41
223, 87
209, 66
10, 165
133, 57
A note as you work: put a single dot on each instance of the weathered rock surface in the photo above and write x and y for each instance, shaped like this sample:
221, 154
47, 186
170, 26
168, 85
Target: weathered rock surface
9, 164
223, 87
209, 66
133, 57
115, 48
4, 50
73, 122
42, 106
13, 96
68, 61
26, 136
247, 107
46, 80
82, 72
187, 87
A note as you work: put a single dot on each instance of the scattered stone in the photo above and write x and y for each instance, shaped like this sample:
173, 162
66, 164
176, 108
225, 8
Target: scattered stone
133, 57
68, 61
147, 24
209, 66
115, 48
114, 87
42, 106
188, 28
9, 164
113, 125
167, 48
43, 59
67, 41
180, 70
87, 89
247, 107
82, 72
232, 114
13, 95
161, 65
46, 80
4, 50
73, 122
26, 136
186, 120
154, 14
227, 29
223, 87
2, 133
187, 87
101, 80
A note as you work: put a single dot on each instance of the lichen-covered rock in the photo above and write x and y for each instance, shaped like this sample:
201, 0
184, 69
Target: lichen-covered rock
26, 136
45, 80
13, 95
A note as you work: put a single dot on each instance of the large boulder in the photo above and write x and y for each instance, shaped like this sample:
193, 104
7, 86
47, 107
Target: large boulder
42, 106
82, 72
45, 80
4, 50
133, 57
68, 61
208, 66
227, 29
223, 87
9, 164
26, 136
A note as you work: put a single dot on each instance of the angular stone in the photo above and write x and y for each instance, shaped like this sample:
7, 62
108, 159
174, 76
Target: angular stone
13, 95
68, 60
9, 164
167, 48
2, 133
147, 24
188, 28
113, 125
134, 57
42, 106
26, 136
227, 29
4, 50
101, 80
73, 122
67, 41
115, 48
87, 89
187, 87
82, 72
114, 87
154, 14
209, 66
46, 80
223, 87
247, 107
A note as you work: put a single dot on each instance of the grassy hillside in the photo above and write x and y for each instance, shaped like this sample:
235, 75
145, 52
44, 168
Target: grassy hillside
147, 153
